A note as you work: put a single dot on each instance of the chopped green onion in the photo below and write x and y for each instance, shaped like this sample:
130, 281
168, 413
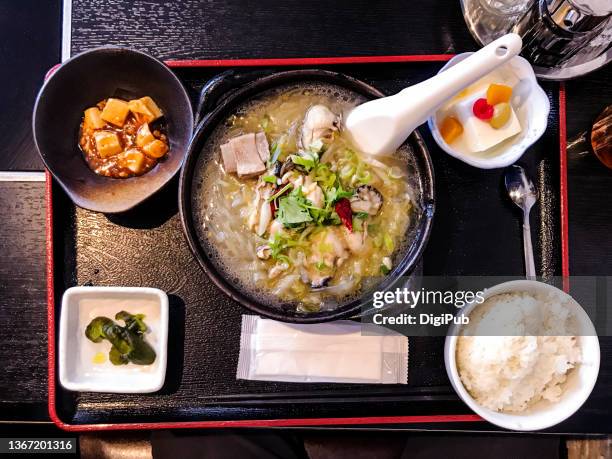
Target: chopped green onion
347, 172
321, 266
269, 178
388, 241
279, 193
283, 258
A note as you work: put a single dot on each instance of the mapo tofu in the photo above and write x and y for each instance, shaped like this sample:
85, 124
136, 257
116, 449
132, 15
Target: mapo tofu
123, 139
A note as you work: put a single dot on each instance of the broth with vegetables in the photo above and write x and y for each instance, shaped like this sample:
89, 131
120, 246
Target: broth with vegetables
290, 211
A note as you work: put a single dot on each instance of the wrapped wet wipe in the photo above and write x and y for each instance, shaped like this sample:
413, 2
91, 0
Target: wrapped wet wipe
327, 352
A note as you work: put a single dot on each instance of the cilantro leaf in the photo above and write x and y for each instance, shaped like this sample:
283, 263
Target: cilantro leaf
334, 194
293, 209
307, 161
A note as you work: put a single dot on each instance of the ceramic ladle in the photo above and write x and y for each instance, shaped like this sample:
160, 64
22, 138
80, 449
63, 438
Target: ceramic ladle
380, 126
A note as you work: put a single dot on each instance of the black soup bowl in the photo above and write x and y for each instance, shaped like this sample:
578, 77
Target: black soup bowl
200, 152
83, 81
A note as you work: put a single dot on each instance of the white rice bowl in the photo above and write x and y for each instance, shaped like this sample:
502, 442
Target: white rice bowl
512, 373
515, 378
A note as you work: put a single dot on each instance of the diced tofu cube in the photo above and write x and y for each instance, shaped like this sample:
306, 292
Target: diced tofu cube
155, 149
479, 135
142, 112
92, 119
107, 143
133, 159
144, 136
152, 106
145, 108
115, 111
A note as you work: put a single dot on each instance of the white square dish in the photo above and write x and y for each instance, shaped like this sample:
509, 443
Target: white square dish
77, 370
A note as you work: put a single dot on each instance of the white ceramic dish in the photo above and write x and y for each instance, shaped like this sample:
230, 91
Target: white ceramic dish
531, 105
544, 414
80, 305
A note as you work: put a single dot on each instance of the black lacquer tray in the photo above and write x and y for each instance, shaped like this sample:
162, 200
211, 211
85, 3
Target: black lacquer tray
476, 231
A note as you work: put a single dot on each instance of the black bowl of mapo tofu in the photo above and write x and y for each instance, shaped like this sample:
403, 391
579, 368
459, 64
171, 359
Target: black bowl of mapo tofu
112, 125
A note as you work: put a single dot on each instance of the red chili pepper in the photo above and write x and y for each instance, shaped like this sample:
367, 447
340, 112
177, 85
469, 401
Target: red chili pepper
483, 110
343, 209
273, 208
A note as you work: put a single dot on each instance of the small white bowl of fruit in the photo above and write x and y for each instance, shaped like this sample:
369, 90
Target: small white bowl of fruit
491, 123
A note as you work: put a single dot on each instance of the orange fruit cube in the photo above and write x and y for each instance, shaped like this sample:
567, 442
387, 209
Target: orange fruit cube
450, 129
498, 94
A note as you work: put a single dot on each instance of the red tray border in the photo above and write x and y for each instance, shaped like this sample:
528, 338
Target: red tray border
352, 421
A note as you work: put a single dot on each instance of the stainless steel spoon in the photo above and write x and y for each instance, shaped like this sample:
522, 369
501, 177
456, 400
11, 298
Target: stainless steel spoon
524, 194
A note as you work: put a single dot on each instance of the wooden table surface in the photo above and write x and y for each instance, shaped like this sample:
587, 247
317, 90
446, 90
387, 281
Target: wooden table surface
30, 34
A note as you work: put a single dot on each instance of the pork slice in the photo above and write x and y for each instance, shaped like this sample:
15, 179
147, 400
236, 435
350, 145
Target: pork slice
262, 146
248, 162
229, 158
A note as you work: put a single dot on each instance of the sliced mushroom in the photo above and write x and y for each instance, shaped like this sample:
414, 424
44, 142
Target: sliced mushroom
260, 213
265, 216
277, 168
314, 278
319, 281
263, 251
366, 199
319, 124
293, 177
286, 167
277, 269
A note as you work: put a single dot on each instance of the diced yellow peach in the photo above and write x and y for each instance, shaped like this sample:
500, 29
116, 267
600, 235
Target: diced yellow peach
450, 129
144, 136
115, 111
133, 159
146, 108
155, 149
92, 119
107, 143
498, 94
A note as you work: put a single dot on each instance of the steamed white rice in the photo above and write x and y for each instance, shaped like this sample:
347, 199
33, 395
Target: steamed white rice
512, 373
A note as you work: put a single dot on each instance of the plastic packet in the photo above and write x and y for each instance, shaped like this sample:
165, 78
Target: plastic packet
328, 352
